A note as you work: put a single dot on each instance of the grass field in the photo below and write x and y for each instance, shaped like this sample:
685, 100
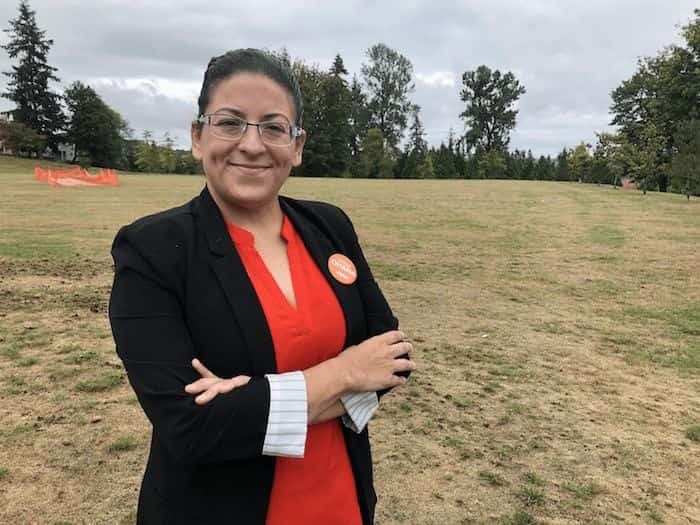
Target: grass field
556, 326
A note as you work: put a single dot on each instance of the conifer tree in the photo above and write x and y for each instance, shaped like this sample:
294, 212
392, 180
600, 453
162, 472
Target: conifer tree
37, 106
336, 122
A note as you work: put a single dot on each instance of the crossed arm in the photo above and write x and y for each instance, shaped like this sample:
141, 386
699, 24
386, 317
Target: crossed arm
367, 367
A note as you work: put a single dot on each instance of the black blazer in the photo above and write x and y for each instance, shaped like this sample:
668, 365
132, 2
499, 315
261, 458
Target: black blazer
180, 291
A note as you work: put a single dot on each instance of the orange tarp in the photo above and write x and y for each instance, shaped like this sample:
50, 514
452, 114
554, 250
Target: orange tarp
76, 177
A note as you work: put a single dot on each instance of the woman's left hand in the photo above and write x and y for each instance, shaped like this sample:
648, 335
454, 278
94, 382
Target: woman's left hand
210, 385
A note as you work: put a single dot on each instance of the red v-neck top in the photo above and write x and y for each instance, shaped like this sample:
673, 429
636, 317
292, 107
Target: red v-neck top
320, 487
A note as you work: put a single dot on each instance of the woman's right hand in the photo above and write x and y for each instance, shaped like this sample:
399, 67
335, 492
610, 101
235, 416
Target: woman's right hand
371, 365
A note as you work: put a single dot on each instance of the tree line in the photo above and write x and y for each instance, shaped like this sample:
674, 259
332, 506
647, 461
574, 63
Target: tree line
368, 126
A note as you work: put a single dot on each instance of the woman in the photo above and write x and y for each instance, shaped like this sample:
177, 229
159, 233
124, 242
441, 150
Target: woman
251, 328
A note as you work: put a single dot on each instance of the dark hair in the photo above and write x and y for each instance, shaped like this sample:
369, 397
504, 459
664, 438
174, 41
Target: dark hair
251, 61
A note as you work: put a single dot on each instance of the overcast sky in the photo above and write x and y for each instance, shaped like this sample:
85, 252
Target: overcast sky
146, 59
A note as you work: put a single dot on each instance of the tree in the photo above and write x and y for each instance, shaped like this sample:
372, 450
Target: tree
610, 157
186, 163
416, 163
317, 149
685, 164
374, 161
358, 119
37, 106
443, 161
21, 139
336, 126
545, 168
581, 163
167, 156
389, 80
489, 114
563, 171
491, 165
97, 131
148, 157
663, 93
644, 156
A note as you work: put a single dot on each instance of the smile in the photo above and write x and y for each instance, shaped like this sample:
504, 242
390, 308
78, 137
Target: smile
249, 168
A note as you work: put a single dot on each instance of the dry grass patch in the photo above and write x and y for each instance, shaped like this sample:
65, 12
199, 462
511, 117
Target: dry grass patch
556, 328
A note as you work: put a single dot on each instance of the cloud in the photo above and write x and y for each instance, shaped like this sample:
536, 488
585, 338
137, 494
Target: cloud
437, 78
147, 58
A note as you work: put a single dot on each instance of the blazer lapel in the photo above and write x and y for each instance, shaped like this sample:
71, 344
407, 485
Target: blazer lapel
231, 274
321, 246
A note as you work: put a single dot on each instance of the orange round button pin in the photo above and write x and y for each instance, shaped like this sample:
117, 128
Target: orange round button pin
342, 268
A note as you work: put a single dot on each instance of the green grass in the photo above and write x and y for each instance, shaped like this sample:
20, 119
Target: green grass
534, 479
492, 478
122, 444
11, 349
531, 495
583, 490
606, 235
79, 358
16, 432
100, 383
28, 247
519, 517
693, 433
683, 319
3, 473
70, 348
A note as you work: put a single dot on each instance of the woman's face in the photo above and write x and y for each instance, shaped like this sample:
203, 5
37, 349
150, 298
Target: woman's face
246, 173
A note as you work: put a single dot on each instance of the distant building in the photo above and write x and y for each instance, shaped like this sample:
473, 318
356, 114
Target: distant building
5, 116
628, 184
66, 152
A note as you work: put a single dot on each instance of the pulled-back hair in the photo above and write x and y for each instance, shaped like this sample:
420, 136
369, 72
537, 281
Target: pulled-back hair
251, 61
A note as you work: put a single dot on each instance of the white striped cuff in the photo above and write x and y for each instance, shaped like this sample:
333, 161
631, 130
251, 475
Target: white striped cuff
360, 407
287, 421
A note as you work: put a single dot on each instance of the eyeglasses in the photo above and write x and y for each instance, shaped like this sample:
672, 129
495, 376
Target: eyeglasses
230, 127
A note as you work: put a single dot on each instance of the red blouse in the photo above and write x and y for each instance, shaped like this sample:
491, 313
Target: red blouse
320, 487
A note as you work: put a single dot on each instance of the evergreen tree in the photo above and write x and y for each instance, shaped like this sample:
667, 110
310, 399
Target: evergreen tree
374, 162
359, 119
491, 165
417, 143
544, 169
563, 171
97, 131
389, 80
36, 105
443, 161
416, 154
458, 151
318, 152
335, 124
